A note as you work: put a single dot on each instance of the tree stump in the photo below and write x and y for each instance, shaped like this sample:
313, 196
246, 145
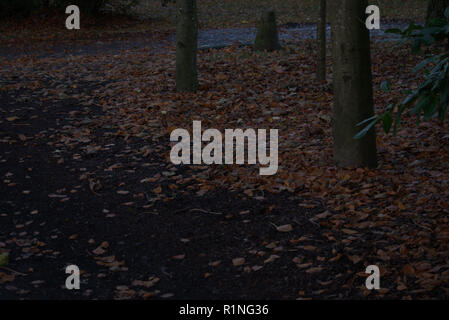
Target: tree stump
267, 34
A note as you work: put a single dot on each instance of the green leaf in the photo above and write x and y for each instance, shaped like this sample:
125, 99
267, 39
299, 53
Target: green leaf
365, 130
387, 122
444, 93
430, 109
420, 105
4, 259
442, 112
385, 86
397, 120
366, 121
431, 98
423, 63
410, 98
394, 30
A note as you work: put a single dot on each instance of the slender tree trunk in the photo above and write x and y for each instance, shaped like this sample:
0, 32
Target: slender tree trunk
321, 43
186, 46
352, 80
435, 9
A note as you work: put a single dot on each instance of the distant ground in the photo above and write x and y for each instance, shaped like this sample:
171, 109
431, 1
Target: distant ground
152, 20
244, 13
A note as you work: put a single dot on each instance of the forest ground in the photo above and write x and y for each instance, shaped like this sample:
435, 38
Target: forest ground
87, 180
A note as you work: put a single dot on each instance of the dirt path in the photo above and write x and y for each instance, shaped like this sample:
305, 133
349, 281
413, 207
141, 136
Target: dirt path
181, 248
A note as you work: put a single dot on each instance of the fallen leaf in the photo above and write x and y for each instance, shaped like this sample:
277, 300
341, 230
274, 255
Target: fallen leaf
215, 263
238, 261
285, 228
314, 270
4, 259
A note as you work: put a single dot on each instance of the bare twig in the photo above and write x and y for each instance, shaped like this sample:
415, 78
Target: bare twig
419, 225
11, 270
205, 211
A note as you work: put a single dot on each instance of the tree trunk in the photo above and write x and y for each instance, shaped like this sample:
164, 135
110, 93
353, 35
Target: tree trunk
267, 33
352, 80
186, 46
321, 43
435, 9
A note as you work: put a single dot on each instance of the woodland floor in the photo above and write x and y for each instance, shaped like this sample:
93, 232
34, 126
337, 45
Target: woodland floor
86, 180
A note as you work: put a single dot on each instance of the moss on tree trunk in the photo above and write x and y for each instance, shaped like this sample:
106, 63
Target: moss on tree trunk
186, 46
352, 80
267, 33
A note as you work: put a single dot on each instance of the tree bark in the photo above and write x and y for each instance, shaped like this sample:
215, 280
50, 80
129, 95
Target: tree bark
435, 9
352, 81
321, 43
186, 46
267, 34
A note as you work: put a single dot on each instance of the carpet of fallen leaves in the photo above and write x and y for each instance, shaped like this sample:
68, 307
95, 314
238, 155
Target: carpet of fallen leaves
45, 29
329, 224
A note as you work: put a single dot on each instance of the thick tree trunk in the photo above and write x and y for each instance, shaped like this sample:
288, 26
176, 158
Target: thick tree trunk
435, 9
186, 46
267, 33
321, 43
353, 92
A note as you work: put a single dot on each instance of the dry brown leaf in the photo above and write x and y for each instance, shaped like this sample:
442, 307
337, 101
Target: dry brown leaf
238, 261
285, 228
